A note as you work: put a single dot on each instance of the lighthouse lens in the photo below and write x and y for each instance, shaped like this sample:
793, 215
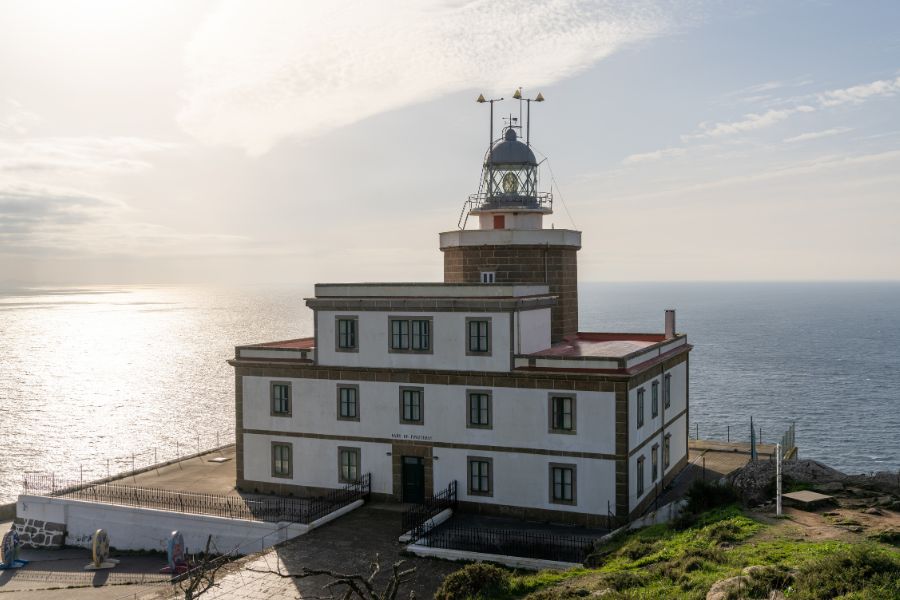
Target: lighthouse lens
510, 183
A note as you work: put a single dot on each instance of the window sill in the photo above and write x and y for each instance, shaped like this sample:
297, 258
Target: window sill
564, 502
563, 431
480, 494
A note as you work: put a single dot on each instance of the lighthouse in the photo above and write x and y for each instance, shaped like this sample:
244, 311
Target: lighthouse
510, 242
481, 386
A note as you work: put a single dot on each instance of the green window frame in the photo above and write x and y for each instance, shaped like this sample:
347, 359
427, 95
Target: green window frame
346, 333
478, 336
562, 483
399, 334
281, 460
640, 408
480, 476
562, 413
412, 406
409, 334
479, 408
349, 460
421, 335
280, 394
348, 402
640, 476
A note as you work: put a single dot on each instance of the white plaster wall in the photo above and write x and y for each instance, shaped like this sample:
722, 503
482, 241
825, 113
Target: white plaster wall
649, 485
279, 354
567, 363
679, 389
677, 448
532, 330
520, 416
653, 352
524, 479
636, 436
513, 220
131, 528
315, 461
679, 440
448, 337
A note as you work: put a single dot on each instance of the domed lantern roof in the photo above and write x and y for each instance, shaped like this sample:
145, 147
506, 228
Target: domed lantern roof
509, 177
510, 151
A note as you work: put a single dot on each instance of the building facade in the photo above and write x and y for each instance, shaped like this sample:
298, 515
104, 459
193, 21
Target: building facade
483, 379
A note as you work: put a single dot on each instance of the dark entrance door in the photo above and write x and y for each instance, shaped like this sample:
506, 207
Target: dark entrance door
413, 478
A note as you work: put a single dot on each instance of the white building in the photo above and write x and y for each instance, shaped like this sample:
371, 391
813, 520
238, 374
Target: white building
484, 379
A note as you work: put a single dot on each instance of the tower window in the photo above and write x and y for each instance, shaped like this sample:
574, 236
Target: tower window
488, 277
499, 221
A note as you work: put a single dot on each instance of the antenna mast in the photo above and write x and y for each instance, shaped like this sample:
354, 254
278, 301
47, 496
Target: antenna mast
481, 100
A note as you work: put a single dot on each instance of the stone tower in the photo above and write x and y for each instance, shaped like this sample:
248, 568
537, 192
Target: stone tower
511, 244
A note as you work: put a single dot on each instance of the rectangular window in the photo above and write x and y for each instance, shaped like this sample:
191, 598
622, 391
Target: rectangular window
562, 483
410, 335
666, 450
421, 335
479, 336
348, 402
480, 476
399, 334
281, 398
348, 461
411, 407
488, 276
479, 408
281, 459
562, 414
667, 390
640, 407
345, 328
654, 399
654, 463
640, 477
